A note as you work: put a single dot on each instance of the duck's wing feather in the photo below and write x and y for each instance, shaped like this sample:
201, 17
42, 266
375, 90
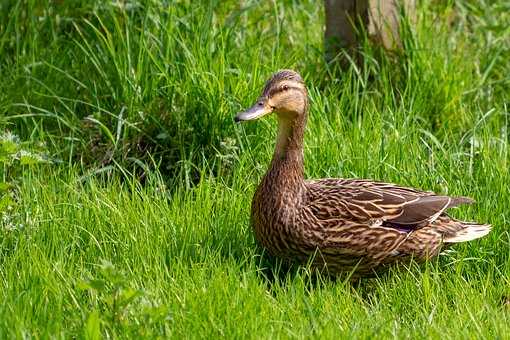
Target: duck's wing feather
384, 203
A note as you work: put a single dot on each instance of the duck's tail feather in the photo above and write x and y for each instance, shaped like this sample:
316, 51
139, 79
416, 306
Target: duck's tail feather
469, 232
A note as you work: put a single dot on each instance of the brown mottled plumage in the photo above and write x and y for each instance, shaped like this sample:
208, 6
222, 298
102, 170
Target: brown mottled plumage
344, 225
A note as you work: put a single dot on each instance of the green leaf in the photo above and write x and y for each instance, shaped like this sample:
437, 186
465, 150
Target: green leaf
128, 295
95, 284
98, 284
6, 201
29, 158
93, 326
8, 146
5, 186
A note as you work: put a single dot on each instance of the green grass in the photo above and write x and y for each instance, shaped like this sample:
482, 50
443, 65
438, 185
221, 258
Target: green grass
140, 226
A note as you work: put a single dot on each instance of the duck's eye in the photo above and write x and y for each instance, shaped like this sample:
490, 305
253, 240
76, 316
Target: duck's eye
285, 87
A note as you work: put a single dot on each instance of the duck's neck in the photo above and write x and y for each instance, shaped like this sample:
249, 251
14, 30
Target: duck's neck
287, 166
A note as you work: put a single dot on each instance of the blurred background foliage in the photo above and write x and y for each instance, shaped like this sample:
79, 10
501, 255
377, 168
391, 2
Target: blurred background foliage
121, 80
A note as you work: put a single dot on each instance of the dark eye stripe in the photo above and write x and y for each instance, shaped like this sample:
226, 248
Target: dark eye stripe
284, 88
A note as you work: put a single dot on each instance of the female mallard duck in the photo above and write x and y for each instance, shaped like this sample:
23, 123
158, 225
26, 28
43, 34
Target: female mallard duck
346, 225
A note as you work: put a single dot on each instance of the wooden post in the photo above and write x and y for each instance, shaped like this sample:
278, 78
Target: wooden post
384, 26
345, 19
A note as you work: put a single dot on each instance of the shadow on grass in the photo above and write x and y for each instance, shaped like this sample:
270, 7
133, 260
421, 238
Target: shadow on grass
277, 273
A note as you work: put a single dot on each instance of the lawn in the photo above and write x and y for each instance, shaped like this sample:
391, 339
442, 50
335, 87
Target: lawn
126, 186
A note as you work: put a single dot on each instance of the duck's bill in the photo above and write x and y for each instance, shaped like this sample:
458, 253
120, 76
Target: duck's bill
256, 111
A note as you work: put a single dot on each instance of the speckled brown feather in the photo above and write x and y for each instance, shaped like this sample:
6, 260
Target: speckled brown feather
343, 225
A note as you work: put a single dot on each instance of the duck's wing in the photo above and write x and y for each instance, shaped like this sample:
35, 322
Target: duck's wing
376, 202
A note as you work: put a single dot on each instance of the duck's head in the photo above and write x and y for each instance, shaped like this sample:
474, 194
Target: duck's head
284, 94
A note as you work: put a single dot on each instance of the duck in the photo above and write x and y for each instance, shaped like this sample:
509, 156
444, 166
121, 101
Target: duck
356, 227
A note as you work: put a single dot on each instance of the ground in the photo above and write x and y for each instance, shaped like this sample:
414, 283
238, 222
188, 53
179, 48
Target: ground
127, 188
